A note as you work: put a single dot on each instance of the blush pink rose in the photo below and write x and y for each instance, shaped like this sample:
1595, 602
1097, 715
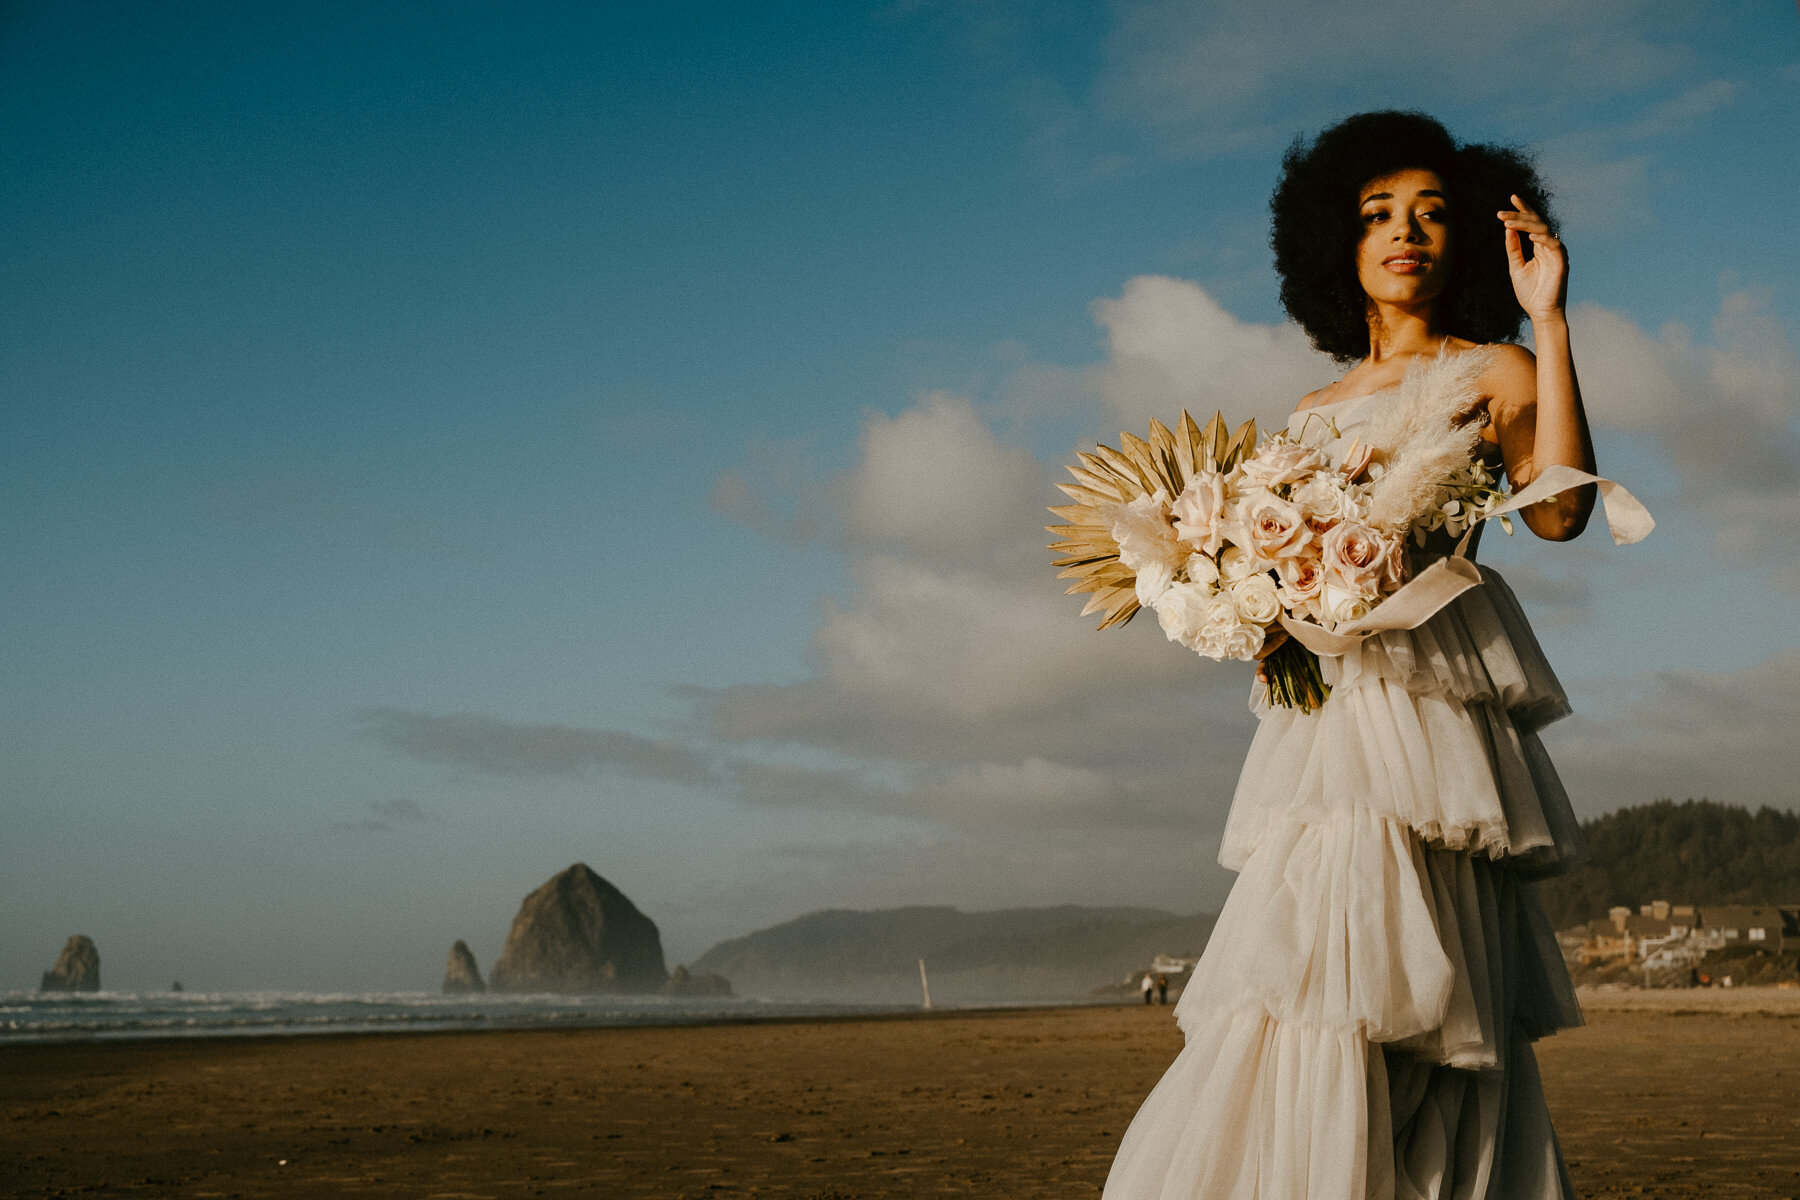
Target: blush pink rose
1395, 568
1274, 529
1302, 579
1357, 559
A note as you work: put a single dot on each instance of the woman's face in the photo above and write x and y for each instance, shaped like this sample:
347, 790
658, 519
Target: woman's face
1404, 255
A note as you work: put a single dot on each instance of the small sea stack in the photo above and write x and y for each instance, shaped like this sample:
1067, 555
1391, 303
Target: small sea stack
461, 975
77, 968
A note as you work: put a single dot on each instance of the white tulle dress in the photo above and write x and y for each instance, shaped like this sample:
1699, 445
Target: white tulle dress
1361, 1024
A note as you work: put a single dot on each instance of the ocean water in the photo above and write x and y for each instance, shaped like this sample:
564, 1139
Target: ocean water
29, 1016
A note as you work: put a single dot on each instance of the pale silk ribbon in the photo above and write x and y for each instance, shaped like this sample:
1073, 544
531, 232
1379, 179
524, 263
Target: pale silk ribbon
1444, 580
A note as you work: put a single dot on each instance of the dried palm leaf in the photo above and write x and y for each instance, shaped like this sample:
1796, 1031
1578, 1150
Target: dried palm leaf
1108, 478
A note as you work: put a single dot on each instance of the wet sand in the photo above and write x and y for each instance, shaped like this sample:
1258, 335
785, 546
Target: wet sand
1016, 1104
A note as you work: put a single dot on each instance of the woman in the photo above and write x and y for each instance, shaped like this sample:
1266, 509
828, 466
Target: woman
1361, 1023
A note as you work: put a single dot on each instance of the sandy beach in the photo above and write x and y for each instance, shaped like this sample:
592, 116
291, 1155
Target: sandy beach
1701, 1100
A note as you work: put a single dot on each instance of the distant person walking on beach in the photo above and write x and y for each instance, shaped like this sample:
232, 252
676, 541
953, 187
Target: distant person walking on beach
1162, 989
1147, 986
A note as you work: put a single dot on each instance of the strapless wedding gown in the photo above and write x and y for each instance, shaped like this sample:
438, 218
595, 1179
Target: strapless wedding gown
1361, 1023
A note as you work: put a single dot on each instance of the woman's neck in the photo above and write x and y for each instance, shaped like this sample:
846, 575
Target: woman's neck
1396, 332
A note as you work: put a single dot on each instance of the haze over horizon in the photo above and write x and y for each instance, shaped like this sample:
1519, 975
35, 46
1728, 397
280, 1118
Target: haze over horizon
444, 443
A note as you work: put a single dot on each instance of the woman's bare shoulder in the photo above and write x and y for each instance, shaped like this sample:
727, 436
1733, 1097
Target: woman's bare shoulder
1506, 356
1314, 398
1510, 379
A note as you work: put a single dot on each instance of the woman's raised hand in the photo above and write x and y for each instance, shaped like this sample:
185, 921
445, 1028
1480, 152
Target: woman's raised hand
1542, 283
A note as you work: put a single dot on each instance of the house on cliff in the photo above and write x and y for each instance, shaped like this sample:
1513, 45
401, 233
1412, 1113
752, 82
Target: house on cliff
1763, 927
1666, 935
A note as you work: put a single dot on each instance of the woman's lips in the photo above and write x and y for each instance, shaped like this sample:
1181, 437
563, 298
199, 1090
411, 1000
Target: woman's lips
1407, 264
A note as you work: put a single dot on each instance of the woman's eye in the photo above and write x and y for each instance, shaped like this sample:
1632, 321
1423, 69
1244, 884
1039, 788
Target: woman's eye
1371, 218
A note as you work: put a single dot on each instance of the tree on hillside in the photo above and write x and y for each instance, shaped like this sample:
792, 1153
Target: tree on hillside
1695, 852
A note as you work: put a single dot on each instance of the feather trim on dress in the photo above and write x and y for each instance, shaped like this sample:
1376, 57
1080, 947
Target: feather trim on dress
1424, 435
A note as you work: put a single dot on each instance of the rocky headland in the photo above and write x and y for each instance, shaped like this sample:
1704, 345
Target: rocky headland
993, 957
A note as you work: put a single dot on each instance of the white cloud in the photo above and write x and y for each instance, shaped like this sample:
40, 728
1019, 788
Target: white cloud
1725, 414
932, 649
1171, 345
936, 480
1196, 61
1027, 789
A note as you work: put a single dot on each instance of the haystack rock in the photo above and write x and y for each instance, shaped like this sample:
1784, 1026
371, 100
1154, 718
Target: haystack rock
578, 933
684, 983
461, 974
77, 968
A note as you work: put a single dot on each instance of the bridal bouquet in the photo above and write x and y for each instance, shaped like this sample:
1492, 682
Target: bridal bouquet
1225, 538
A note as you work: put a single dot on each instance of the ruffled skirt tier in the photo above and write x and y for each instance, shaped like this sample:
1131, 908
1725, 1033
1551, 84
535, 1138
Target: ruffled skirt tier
1361, 1022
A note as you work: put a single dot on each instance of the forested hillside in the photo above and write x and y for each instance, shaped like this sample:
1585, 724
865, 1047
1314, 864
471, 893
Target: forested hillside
1694, 852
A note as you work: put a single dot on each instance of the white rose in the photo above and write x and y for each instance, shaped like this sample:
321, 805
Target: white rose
1235, 564
1221, 622
1395, 570
1305, 610
1153, 579
1281, 462
1323, 501
1242, 642
1340, 607
1203, 570
1256, 600
1193, 616
1200, 512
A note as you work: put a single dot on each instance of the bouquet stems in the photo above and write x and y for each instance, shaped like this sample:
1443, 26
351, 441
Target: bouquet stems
1294, 679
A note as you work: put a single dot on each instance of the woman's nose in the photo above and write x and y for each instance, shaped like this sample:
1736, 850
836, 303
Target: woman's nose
1409, 230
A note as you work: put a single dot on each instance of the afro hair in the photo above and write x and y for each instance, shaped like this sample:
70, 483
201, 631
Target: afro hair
1317, 228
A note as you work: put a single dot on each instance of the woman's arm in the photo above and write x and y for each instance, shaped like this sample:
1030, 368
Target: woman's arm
1535, 402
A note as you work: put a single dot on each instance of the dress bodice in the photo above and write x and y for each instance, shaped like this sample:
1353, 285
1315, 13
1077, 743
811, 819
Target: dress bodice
1333, 425
1309, 424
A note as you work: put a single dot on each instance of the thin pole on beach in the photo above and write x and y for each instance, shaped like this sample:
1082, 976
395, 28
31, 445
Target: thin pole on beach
924, 983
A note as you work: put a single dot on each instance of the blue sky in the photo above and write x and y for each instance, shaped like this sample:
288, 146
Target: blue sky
444, 442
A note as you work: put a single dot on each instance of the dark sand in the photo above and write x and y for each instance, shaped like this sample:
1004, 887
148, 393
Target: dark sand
1013, 1104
